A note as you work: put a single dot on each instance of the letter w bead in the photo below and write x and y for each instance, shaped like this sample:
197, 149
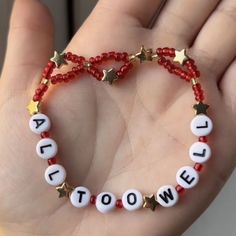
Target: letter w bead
167, 195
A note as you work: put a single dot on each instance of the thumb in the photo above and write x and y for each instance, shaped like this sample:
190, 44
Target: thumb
30, 42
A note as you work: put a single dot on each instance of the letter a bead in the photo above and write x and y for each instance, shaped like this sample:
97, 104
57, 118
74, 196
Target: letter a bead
80, 197
55, 174
132, 200
39, 123
105, 202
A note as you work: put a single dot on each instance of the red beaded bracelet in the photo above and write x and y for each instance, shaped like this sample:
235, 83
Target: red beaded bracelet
201, 126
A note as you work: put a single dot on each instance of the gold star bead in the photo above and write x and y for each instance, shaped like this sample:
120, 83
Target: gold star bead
201, 108
64, 190
59, 59
109, 75
150, 202
144, 55
180, 56
33, 107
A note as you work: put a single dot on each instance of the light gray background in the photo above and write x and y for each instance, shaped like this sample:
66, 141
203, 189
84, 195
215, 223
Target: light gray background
220, 218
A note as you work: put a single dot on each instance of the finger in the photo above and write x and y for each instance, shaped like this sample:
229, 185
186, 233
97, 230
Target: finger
180, 21
228, 85
119, 21
30, 42
141, 11
216, 41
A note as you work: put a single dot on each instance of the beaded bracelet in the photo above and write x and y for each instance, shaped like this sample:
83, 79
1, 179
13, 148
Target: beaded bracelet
201, 126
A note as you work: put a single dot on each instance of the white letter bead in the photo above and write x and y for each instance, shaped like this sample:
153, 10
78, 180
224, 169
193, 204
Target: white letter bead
167, 196
132, 200
200, 152
39, 123
80, 197
46, 148
105, 202
201, 125
55, 174
187, 177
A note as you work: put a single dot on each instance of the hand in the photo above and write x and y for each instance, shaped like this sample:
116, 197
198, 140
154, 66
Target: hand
134, 134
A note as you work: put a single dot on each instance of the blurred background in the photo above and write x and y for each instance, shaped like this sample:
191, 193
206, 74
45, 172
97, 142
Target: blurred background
220, 218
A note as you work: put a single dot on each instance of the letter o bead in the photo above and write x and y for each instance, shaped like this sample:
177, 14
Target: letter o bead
132, 200
46, 148
167, 196
80, 197
55, 174
105, 202
187, 177
39, 123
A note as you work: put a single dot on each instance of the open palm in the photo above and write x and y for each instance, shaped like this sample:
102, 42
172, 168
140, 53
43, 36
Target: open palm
134, 134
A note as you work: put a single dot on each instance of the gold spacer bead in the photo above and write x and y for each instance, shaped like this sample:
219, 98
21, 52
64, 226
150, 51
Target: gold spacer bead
194, 81
132, 57
45, 81
87, 64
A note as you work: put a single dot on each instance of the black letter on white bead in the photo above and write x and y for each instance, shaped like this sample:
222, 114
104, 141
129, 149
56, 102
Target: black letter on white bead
39, 123
186, 178
131, 198
45, 146
53, 173
167, 195
81, 195
104, 201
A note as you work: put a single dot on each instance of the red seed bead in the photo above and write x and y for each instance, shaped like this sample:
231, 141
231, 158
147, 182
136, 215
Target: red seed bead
43, 87
203, 139
129, 64
45, 134
161, 61
97, 75
165, 51
119, 74
104, 56
37, 97
53, 80
59, 78
98, 59
52, 161
92, 60
93, 199
118, 56
111, 55
172, 52
179, 189
124, 69
38, 91
68, 55
125, 56
119, 203
159, 51
198, 167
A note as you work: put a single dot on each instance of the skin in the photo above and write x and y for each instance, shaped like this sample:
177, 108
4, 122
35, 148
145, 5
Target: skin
134, 134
